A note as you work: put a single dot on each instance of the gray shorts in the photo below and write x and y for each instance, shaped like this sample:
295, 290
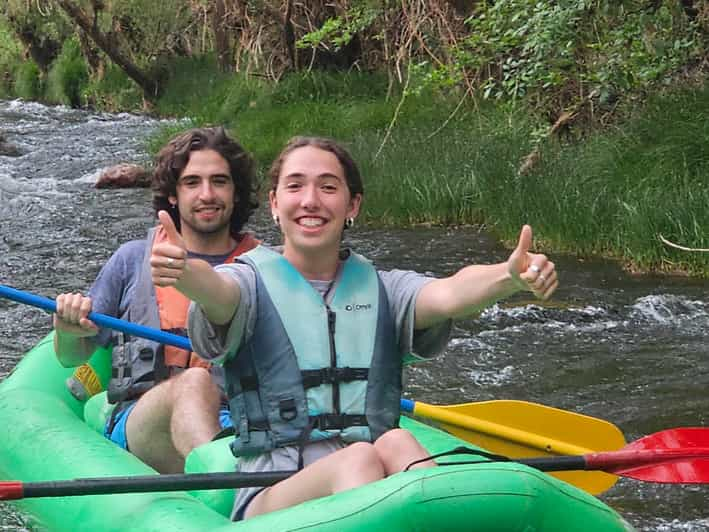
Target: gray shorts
282, 459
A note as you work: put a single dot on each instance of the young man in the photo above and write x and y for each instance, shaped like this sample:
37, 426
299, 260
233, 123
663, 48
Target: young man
167, 400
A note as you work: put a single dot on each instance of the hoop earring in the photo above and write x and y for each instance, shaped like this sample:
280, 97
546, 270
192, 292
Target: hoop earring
349, 222
276, 219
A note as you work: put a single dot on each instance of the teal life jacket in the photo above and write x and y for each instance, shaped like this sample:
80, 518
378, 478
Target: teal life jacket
314, 368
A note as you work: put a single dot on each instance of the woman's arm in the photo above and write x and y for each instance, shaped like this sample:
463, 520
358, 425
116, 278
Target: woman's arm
216, 293
475, 287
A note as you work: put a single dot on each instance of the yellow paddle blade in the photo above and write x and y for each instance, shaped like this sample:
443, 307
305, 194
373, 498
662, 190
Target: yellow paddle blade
519, 429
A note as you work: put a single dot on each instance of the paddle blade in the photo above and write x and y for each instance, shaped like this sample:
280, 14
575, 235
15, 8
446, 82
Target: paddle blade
681, 438
671, 456
519, 429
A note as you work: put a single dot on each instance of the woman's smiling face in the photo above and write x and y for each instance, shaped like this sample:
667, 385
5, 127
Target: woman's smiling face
312, 201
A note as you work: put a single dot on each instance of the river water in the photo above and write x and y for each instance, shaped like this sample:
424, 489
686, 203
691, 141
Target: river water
629, 349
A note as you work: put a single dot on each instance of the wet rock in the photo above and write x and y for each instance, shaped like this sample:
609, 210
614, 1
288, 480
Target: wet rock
124, 175
7, 149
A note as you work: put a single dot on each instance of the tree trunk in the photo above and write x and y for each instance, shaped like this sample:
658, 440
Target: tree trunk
289, 36
221, 37
149, 85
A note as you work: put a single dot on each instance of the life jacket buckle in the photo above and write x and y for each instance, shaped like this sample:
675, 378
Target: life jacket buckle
338, 421
146, 353
287, 409
330, 375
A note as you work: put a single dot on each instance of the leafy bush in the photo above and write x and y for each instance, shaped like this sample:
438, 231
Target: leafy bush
561, 51
68, 76
28, 84
114, 91
10, 58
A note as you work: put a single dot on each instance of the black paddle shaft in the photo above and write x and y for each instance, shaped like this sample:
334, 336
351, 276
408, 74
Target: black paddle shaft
150, 483
556, 463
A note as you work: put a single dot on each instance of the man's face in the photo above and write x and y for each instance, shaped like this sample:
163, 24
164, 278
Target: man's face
205, 195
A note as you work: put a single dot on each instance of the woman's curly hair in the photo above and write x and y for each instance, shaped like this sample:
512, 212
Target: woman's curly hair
173, 158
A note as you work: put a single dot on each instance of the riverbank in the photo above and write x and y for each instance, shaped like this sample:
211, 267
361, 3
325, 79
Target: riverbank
432, 159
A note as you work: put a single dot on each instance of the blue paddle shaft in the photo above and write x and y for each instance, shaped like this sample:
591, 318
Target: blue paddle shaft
102, 320
109, 322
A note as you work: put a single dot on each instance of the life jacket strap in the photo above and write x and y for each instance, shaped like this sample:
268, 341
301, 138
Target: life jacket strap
248, 384
337, 421
121, 372
329, 375
316, 377
179, 331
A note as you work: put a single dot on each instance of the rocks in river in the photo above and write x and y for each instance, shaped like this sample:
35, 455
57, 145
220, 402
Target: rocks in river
124, 175
7, 149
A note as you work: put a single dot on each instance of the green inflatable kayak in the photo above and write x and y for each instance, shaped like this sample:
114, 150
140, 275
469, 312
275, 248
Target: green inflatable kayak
50, 435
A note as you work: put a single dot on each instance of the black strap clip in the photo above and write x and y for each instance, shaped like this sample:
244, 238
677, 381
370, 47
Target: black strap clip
316, 377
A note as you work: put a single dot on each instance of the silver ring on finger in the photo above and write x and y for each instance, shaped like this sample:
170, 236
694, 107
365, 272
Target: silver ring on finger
535, 268
170, 262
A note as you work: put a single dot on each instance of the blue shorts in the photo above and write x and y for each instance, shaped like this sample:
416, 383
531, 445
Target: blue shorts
118, 434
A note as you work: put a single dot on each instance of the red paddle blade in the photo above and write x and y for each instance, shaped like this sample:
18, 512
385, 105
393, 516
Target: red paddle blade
670, 456
681, 438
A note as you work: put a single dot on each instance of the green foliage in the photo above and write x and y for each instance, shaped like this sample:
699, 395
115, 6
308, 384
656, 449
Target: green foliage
323, 86
618, 192
538, 50
337, 32
196, 88
332, 104
424, 175
114, 91
68, 76
28, 84
41, 17
10, 58
638, 48
148, 30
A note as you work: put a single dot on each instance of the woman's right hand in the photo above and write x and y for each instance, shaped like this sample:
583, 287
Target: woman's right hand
71, 315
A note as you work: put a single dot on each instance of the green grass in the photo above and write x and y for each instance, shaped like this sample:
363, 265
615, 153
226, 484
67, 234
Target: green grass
617, 192
113, 92
10, 58
68, 76
28, 84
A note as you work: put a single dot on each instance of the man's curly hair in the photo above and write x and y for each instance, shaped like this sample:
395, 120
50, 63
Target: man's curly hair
173, 158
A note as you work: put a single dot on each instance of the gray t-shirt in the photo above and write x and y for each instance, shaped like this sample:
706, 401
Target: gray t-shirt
217, 344
113, 289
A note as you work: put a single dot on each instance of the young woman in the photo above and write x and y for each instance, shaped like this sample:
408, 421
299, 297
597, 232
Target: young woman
312, 337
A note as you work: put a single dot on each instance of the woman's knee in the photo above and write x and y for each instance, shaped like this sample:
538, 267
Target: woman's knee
398, 449
395, 439
363, 458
